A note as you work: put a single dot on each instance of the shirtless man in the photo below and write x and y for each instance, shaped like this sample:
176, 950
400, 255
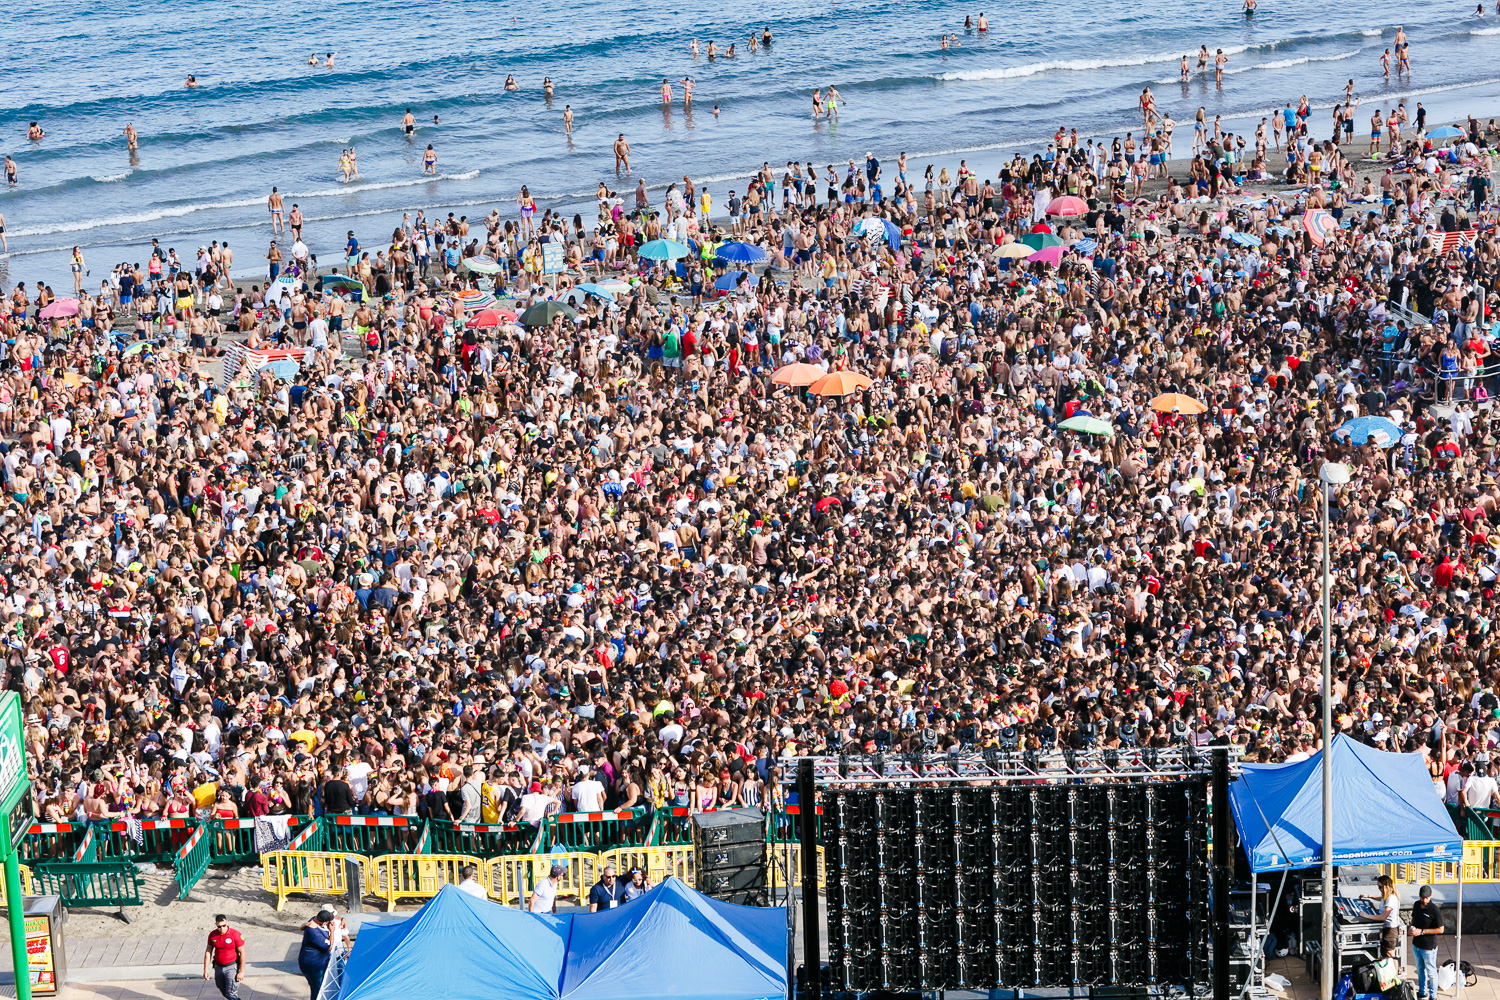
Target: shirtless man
312, 60
130, 137
832, 102
294, 218
10, 171
568, 118
408, 123
984, 24
274, 204
622, 154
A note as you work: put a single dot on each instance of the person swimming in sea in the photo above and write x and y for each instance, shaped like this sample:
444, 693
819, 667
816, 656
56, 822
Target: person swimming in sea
408, 123
192, 82
547, 86
312, 60
1249, 8
510, 83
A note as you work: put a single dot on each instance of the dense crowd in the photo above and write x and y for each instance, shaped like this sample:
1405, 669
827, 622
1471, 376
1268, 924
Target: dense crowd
488, 572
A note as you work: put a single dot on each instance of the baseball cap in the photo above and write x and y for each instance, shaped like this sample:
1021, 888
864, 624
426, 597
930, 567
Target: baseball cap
558, 869
1425, 892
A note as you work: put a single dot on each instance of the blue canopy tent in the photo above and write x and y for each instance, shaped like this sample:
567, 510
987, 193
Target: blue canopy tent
457, 939
677, 944
657, 947
1386, 810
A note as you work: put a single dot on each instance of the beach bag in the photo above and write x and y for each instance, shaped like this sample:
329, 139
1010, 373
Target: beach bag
1402, 991
1387, 976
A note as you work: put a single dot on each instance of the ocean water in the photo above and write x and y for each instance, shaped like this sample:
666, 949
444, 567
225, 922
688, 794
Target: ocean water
208, 157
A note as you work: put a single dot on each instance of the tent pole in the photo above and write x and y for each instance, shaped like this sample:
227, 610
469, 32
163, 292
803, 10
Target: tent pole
1329, 966
1458, 942
1254, 947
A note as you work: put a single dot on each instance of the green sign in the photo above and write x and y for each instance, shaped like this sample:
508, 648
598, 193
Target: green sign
13, 781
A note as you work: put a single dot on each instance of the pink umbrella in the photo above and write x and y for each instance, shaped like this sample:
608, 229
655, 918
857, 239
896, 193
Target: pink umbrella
1051, 255
60, 307
1068, 205
1320, 225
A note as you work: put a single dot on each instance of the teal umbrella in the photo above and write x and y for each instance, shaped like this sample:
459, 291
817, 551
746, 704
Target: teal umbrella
543, 313
1088, 425
663, 250
1041, 241
335, 282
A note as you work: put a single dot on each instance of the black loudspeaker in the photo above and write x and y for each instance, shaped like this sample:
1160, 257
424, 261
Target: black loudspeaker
730, 847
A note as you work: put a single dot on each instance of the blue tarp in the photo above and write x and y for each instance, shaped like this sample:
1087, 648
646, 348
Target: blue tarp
1385, 811
670, 944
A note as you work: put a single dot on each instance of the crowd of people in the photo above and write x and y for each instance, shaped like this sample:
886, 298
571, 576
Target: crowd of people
491, 571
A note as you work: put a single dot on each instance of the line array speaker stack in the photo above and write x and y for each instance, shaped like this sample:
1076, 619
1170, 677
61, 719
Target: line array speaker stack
730, 847
1017, 886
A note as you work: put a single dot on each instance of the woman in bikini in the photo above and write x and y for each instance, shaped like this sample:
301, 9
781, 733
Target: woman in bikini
528, 209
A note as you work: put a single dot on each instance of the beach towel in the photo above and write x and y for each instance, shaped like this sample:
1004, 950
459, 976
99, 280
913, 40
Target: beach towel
272, 833
134, 832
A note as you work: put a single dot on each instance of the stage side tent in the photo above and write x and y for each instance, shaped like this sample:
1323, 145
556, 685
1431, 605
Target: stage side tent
674, 943
458, 947
1385, 811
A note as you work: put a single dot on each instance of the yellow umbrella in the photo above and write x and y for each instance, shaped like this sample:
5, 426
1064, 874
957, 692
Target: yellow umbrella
840, 383
1016, 250
1176, 402
796, 374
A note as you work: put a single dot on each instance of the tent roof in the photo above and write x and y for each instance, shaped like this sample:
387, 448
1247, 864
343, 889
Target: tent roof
1385, 810
506, 954
662, 946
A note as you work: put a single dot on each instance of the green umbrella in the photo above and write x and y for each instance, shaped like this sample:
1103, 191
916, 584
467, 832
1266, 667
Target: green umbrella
1088, 425
482, 265
335, 281
543, 313
1041, 241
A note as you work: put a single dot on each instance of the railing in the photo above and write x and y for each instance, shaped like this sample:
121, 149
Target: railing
416, 876
26, 887
313, 872
373, 836
52, 841
191, 861
1481, 863
105, 883
483, 840
232, 841
510, 880
1472, 824
597, 831
656, 862
159, 840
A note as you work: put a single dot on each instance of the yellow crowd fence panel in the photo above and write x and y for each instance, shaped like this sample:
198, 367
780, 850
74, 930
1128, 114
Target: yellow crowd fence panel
316, 873
26, 887
509, 879
416, 876
785, 860
657, 862
1481, 864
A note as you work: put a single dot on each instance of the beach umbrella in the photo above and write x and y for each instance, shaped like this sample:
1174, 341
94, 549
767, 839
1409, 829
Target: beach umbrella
543, 313
1281, 230
731, 280
1378, 430
60, 307
1319, 224
869, 227
136, 348
741, 253
663, 250
1176, 402
1068, 205
597, 291
482, 265
892, 234
1245, 239
487, 319
1046, 255
840, 383
1446, 132
285, 368
1016, 250
1041, 241
1085, 247
798, 373
342, 282
1088, 425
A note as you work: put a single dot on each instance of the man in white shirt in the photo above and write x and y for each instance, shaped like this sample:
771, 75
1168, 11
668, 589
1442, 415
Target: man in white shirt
470, 883
1479, 790
544, 894
588, 793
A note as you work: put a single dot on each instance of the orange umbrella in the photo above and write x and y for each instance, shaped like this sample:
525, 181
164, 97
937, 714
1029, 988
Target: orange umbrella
1176, 402
840, 383
796, 374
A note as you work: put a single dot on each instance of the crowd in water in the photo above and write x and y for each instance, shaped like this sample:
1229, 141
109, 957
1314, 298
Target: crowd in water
523, 520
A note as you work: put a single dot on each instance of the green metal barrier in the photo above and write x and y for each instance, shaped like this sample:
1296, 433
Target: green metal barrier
483, 840
191, 861
672, 827
232, 841
598, 831
1470, 824
785, 825
151, 840
101, 883
87, 850
52, 841
372, 836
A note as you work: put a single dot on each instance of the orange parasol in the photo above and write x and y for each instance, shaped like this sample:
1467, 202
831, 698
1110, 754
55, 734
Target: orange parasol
796, 374
840, 383
1176, 402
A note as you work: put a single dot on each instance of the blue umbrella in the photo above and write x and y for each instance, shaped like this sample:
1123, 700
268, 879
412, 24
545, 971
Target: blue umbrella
1445, 132
741, 253
731, 281
892, 234
663, 250
1379, 430
597, 291
1245, 239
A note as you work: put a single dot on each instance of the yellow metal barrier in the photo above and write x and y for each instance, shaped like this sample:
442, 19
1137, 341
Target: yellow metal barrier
313, 872
1481, 864
657, 862
509, 879
786, 859
417, 876
26, 886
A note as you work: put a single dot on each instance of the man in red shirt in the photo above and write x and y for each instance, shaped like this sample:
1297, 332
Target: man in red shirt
225, 951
